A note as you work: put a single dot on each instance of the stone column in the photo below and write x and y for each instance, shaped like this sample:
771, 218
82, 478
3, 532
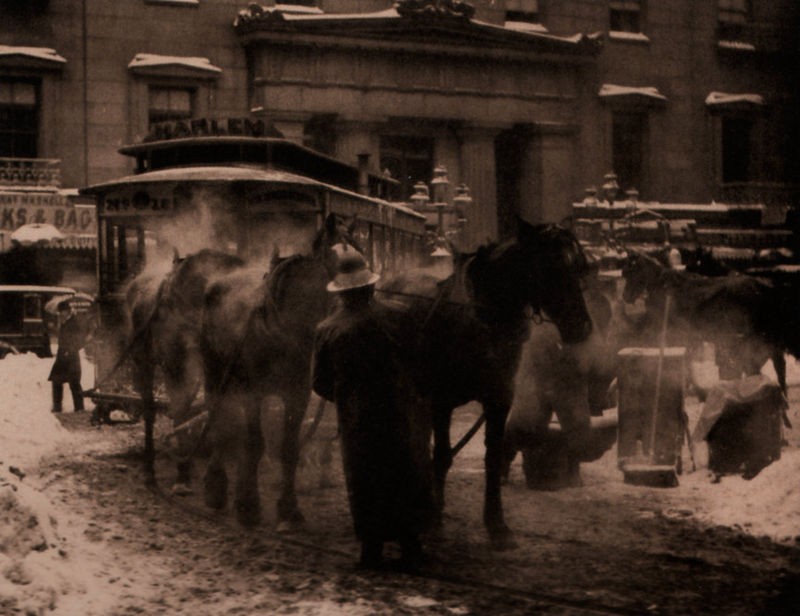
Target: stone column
478, 171
550, 189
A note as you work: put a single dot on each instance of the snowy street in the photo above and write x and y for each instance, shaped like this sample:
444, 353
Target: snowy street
81, 534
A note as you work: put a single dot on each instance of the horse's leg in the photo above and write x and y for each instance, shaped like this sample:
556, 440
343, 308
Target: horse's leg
499, 533
779, 363
215, 480
442, 455
248, 503
294, 402
143, 375
182, 379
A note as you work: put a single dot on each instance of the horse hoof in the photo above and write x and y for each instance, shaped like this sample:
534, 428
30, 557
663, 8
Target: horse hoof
215, 490
288, 527
503, 541
248, 514
180, 489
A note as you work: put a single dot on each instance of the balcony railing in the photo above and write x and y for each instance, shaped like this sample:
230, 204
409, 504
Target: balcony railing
30, 172
761, 193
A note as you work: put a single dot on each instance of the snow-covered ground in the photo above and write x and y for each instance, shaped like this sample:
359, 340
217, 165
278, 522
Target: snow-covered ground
48, 563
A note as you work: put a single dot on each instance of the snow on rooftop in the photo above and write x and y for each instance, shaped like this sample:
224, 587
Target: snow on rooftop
610, 89
150, 59
722, 98
298, 8
40, 53
289, 13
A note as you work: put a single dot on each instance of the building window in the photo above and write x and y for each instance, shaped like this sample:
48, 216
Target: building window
629, 143
733, 17
736, 149
523, 10
19, 118
733, 11
408, 159
625, 15
170, 104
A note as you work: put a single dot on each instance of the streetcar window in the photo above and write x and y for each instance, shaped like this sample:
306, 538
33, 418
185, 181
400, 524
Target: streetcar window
33, 308
123, 252
378, 252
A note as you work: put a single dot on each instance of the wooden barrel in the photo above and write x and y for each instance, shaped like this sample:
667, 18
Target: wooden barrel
638, 389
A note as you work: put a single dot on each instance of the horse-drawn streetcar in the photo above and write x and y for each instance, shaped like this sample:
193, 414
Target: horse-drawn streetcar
236, 187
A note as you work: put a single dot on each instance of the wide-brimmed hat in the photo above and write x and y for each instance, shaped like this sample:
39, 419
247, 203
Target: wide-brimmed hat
353, 273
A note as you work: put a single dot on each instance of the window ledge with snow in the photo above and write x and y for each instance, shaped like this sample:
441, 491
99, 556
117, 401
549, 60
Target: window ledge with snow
525, 26
736, 46
629, 37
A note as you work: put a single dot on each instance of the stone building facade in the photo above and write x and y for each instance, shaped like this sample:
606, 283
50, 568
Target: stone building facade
526, 101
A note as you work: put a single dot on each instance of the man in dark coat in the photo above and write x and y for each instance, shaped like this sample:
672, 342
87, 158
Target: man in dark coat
67, 367
384, 424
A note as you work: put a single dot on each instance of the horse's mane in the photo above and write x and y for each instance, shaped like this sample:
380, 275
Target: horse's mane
275, 281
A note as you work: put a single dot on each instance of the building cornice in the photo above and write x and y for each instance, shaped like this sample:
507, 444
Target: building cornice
431, 31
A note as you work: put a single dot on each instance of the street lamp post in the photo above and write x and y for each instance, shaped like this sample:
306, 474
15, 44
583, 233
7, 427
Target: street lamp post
436, 201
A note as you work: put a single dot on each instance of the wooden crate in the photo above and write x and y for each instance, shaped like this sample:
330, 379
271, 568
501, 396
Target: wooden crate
638, 368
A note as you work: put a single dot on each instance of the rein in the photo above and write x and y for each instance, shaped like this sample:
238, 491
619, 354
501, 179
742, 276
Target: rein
536, 316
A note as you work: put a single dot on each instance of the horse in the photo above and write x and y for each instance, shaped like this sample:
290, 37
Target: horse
466, 333
164, 328
256, 340
735, 312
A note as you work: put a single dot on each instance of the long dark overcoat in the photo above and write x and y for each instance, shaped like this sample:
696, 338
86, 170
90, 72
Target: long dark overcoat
67, 366
384, 424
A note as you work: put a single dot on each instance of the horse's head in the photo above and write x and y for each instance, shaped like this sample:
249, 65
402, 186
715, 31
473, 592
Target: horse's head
640, 273
553, 284
541, 269
295, 286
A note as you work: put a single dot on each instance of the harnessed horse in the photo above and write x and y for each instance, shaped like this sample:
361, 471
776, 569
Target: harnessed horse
466, 334
731, 311
164, 319
257, 340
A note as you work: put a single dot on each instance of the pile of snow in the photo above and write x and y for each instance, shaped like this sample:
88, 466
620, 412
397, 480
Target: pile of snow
28, 429
45, 562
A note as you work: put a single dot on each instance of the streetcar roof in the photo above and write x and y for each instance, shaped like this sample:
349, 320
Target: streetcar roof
270, 149
221, 174
33, 288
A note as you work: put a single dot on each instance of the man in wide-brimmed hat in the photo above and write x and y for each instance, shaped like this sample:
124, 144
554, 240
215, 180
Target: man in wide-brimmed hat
360, 365
67, 367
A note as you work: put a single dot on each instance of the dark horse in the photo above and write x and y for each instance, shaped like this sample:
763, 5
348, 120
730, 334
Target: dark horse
734, 312
467, 337
257, 340
164, 328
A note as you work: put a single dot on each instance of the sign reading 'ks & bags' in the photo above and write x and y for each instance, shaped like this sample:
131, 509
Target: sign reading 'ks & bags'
17, 209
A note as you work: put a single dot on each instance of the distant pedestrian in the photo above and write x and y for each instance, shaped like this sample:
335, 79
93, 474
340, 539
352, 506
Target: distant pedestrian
67, 366
384, 425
